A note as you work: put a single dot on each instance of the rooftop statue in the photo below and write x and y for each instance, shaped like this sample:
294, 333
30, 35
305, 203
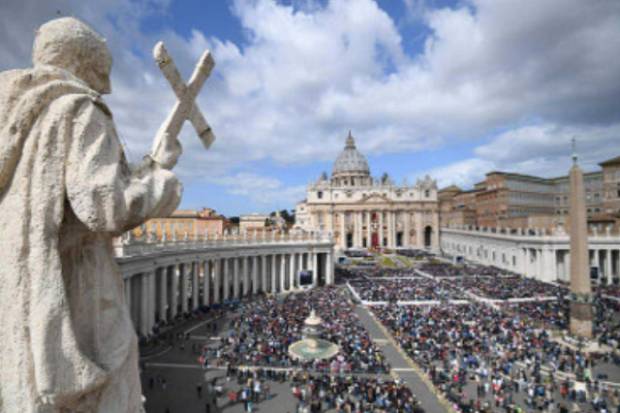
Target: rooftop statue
67, 343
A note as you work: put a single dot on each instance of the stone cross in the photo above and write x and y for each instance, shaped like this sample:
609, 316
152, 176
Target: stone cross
185, 108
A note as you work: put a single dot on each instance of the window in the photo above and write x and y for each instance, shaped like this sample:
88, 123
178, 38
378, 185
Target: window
427, 193
319, 194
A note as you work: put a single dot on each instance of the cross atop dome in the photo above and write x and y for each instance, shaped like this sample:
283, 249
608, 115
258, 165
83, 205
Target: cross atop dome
350, 144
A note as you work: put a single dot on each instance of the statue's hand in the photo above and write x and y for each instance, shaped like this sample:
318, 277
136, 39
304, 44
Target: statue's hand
167, 151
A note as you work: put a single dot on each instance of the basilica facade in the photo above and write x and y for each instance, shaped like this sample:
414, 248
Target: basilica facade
365, 212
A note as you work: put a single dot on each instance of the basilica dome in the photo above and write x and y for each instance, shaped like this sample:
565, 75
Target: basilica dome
350, 161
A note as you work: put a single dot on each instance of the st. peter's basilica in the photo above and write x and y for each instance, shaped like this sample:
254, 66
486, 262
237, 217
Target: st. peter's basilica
365, 212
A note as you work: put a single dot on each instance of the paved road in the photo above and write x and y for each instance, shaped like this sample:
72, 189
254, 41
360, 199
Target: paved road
400, 364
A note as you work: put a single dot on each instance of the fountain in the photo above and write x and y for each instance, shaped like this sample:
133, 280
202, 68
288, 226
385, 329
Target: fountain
312, 346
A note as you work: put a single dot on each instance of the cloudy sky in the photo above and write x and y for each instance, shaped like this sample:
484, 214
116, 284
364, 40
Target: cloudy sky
450, 88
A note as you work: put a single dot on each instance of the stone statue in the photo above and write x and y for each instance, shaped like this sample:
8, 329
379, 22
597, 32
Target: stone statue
67, 343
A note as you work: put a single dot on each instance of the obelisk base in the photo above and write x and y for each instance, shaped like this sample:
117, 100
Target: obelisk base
581, 319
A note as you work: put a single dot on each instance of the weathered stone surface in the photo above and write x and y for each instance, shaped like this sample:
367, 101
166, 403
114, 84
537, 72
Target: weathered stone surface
66, 342
581, 305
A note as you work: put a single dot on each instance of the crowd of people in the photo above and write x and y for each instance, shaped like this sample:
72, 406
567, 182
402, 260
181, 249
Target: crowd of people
468, 349
351, 394
404, 289
262, 330
444, 269
507, 287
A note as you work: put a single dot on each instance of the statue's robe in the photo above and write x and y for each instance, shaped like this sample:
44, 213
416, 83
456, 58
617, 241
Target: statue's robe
66, 190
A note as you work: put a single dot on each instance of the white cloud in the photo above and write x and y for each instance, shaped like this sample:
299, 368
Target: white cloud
305, 75
463, 173
541, 150
263, 190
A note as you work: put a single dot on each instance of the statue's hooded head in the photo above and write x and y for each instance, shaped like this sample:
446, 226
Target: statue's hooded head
72, 45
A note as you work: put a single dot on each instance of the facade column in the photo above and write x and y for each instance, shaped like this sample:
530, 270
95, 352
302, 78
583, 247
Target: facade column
174, 294
282, 272
380, 228
226, 277
390, 223
263, 273
358, 229
407, 231
206, 281
343, 229
368, 229
236, 277
274, 273
195, 268
255, 275
330, 221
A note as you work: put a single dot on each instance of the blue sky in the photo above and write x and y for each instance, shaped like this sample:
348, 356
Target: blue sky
453, 89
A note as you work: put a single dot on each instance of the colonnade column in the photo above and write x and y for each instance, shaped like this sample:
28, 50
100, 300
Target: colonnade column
291, 275
282, 271
184, 298
174, 295
608, 266
246, 276
596, 262
226, 277
274, 269
144, 304
217, 276
206, 280
263, 273
315, 269
195, 268
329, 270
236, 277
255, 274
163, 294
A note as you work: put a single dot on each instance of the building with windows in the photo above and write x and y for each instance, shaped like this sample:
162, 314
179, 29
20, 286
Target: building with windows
611, 186
511, 200
365, 212
184, 223
253, 222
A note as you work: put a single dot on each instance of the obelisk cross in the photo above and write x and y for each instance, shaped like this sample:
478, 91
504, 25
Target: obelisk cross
185, 107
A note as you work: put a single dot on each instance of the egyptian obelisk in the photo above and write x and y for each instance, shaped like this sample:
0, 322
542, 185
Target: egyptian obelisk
581, 291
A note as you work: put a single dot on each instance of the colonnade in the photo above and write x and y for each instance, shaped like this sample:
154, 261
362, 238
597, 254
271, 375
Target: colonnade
538, 255
158, 289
